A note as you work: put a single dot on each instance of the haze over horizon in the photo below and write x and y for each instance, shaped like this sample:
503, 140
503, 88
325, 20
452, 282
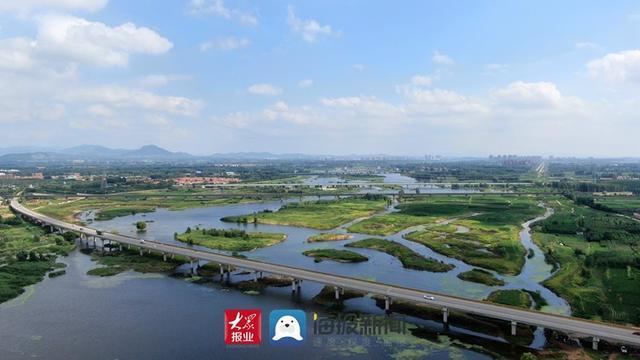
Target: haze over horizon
214, 76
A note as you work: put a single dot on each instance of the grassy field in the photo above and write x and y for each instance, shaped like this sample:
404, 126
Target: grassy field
408, 258
480, 276
322, 237
323, 215
599, 279
345, 256
243, 241
126, 260
511, 297
26, 254
110, 208
388, 224
492, 240
624, 204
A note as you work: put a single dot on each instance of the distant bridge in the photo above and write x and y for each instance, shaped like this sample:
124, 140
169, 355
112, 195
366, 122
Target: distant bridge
576, 327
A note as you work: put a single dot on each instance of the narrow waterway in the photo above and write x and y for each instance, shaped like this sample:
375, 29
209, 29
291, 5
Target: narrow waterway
85, 316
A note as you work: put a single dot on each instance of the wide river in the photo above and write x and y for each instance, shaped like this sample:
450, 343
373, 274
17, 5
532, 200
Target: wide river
136, 316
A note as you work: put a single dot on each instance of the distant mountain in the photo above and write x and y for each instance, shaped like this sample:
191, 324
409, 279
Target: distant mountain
24, 149
97, 153
94, 153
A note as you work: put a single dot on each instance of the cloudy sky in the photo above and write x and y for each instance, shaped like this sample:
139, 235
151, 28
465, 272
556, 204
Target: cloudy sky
332, 76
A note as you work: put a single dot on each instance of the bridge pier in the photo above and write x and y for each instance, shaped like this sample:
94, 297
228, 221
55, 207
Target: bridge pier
193, 270
514, 326
94, 243
164, 257
337, 289
445, 315
221, 272
594, 344
387, 303
141, 254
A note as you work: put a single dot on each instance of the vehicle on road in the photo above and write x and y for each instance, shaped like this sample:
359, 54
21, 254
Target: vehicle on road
429, 297
141, 241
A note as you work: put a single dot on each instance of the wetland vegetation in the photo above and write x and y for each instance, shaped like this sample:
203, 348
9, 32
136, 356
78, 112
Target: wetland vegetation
27, 254
481, 276
345, 256
409, 258
321, 214
597, 257
230, 239
492, 240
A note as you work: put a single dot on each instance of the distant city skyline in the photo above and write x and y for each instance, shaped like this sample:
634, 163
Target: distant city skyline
469, 78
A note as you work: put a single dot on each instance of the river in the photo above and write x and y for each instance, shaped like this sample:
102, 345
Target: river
158, 317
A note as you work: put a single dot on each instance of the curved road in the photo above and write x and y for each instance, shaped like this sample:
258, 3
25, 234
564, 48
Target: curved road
570, 325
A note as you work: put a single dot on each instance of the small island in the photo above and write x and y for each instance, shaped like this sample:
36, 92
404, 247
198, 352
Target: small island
408, 258
230, 239
481, 277
344, 256
512, 297
328, 237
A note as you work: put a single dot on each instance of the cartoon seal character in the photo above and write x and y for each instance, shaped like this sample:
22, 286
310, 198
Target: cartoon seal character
287, 326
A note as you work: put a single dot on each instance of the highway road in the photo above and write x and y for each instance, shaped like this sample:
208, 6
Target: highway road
570, 325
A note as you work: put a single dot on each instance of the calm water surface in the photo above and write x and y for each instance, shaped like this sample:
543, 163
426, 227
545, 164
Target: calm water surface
135, 316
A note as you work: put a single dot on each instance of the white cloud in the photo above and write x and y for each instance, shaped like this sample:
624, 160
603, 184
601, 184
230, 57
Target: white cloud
305, 83
23, 7
99, 110
95, 43
156, 120
421, 80
16, 54
440, 102
227, 43
121, 97
217, 7
156, 80
368, 105
441, 59
310, 29
535, 97
359, 67
586, 45
264, 89
282, 111
622, 66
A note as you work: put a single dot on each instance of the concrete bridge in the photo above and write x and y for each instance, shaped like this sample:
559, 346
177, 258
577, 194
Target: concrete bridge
575, 327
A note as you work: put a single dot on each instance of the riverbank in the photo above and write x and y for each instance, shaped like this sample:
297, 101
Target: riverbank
68, 209
27, 254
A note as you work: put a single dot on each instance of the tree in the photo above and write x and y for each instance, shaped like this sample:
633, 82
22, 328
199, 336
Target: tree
528, 356
141, 226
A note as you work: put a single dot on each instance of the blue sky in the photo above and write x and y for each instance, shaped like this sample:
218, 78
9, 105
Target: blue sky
333, 77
